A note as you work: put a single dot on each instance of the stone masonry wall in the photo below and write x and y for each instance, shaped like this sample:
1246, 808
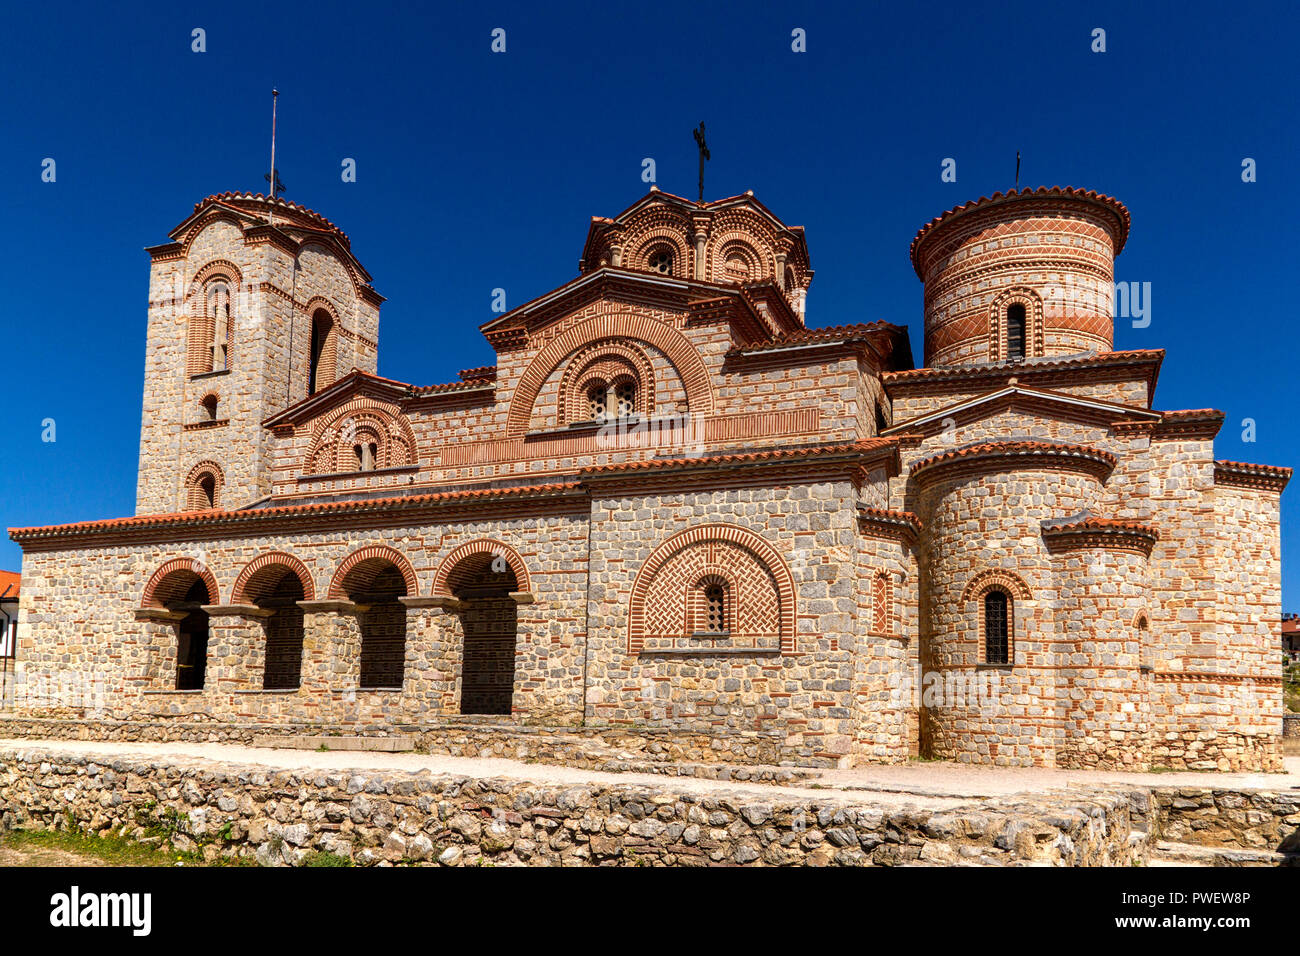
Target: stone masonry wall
385, 817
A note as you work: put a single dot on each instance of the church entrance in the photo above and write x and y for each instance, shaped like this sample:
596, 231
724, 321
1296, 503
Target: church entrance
488, 621
192, 639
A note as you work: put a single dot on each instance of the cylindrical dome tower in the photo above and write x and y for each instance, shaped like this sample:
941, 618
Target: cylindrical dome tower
988, 622
1020, 275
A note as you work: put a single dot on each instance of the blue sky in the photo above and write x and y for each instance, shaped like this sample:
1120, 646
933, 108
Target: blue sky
478, 170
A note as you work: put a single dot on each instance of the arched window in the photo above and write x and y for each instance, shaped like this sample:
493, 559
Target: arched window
324, 350
210, 330
209, 405
219, 312
1016, 332
203, 487
997, 627
1144, 643
366, 454
608, 401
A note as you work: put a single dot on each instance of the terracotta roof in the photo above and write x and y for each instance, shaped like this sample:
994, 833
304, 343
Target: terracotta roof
253, 515
742, 458
834, 333
1015, 449
1087, 530
279, 203
463, 386
1270, 477
905, 520
474, 374
1021, 369
1087, 522
1191, 414
9, 585
1114, 206
1290, 625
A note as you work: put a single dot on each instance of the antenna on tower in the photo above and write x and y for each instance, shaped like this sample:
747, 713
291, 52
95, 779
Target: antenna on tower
1017, 169
273, 177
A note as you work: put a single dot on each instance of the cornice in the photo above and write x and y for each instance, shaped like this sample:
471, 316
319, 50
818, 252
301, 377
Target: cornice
1255, 477
1013, 455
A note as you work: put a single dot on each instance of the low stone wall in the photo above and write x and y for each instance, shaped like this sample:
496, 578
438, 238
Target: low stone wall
1291, 725
589, 748
388, 817
1249, 819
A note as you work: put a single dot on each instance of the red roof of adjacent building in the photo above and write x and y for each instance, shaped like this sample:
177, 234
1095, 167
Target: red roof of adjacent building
9, 581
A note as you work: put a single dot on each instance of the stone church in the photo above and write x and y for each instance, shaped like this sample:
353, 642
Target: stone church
672, 511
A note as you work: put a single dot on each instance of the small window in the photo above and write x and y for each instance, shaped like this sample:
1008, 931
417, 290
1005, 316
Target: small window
661, 260
625, 398
366, 454
321, 361
715, 609
220, 306
207, 489
209, 408
997, 647
596, 399
1016, 332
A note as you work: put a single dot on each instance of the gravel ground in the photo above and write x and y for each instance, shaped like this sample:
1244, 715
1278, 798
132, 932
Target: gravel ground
929, 784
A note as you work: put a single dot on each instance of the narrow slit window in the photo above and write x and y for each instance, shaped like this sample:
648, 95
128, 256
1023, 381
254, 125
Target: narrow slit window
715, 609
1016, 332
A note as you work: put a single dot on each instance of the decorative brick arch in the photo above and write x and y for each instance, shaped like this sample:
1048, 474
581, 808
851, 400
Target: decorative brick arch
702, 536
171, 582
216, 269
196, 475
600, 360
997, 320
481, 546
721, 245
654, 239
992, 578
256, 574
676, 347
393, 432
364, 563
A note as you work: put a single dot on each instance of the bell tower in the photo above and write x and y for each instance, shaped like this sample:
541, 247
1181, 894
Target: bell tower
254, 304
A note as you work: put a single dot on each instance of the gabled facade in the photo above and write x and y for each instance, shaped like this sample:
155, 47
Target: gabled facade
671, 508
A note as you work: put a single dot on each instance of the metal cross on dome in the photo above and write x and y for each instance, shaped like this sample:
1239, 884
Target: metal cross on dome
704, 154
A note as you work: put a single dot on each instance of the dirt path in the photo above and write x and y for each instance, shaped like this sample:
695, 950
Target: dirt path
44, 856
929, 784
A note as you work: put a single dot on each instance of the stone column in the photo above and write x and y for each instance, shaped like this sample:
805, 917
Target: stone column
236, 647
331, 651
434, 649
151, 660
